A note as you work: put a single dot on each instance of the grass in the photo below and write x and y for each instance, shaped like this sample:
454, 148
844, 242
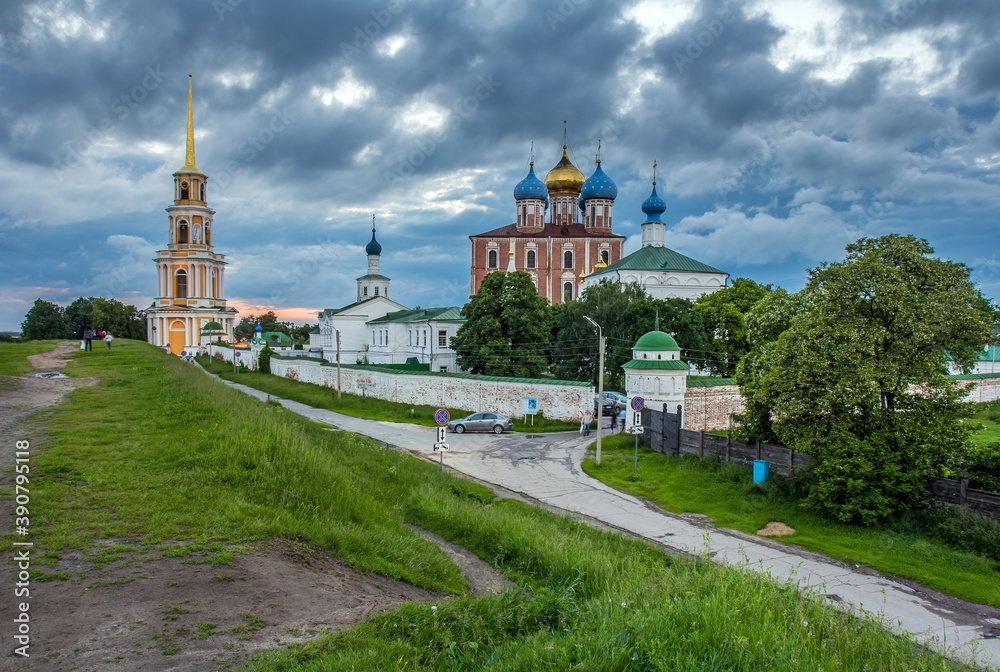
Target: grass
14, 356
988, 416
319, 396
160, 454
728, 494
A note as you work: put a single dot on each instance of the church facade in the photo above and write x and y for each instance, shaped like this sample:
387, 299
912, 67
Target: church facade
663, 273
560, 250
190, 275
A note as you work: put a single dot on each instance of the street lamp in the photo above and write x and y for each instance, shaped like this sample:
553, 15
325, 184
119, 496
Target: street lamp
600, 383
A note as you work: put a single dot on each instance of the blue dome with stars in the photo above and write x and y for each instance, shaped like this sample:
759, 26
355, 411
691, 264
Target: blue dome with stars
598, 185
531, 187
373, 248
654, 206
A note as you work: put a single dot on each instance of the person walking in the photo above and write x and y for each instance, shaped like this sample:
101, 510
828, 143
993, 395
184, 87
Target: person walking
588, 417
107, 339
614, 420
88, 338
621, 419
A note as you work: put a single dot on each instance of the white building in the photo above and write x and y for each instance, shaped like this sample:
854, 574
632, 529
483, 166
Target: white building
351, 321
662, 272
656, 372
421, 335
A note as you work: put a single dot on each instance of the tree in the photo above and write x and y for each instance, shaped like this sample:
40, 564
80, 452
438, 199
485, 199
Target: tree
44, 320
506, 330
114, 316
79, 316
625, 313
859, 381
724, 315
268, 322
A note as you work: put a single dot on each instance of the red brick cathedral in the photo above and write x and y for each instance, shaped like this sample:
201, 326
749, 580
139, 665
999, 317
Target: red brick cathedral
560, 252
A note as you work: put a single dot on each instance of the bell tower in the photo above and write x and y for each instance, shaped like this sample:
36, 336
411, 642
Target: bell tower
190, 295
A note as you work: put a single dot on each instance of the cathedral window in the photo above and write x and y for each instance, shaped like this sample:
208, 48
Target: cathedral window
568, 259
376, 291
364, 291
530, 260
567, 292
491, 259
605, 256
208, 233
185, 191
202, 192
181, 280
182, 236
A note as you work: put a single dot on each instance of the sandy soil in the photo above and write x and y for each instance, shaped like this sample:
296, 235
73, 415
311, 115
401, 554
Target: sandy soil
145, 611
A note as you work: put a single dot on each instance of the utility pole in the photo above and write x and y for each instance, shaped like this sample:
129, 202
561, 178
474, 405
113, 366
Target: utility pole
600, 384
338, 362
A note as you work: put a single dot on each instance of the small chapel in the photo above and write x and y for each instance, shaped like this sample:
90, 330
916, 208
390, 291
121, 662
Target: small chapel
190, 304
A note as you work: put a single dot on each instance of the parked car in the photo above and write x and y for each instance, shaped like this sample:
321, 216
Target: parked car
484, 421
619, 400
607, 405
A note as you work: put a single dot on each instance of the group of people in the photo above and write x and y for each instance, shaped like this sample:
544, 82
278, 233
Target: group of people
617, 421
89, 335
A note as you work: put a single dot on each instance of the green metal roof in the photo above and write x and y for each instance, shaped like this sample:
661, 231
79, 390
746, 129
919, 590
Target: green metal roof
654, 258
447, 314
276, 337
709, 381
656, 365
656, 340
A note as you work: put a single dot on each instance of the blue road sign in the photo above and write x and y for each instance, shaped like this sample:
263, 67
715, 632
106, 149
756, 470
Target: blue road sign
442, 416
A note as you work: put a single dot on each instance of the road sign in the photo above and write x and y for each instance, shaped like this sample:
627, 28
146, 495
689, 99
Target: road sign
529, 405
440, 446
636, 419
442, 416
442, 434
635, 429
638, 403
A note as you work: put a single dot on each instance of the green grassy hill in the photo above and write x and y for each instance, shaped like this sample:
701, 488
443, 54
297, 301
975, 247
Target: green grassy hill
161, 452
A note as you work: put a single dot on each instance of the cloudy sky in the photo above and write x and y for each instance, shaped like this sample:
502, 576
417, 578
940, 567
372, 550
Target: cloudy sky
783, 129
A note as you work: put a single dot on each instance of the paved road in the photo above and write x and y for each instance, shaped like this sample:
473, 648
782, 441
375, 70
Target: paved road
547, 469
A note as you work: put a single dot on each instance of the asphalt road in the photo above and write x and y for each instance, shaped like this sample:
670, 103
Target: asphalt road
545, 468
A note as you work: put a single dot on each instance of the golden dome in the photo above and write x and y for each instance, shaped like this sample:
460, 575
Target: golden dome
565, 178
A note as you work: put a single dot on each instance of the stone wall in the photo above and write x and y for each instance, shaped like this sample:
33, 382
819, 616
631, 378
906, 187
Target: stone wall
559, 399
707, 408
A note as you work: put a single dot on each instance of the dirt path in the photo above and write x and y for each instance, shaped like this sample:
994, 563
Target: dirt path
151, 611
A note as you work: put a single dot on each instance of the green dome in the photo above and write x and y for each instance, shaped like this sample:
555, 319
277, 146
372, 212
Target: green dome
656, 340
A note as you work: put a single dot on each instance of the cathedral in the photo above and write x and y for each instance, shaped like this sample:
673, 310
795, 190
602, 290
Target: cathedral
190, 306
560, 252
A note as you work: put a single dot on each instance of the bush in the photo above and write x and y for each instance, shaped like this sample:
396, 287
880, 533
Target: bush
957, 526
983, 467
264, 359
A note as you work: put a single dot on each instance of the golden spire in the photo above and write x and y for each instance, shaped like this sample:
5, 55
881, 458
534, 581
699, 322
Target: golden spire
189, 164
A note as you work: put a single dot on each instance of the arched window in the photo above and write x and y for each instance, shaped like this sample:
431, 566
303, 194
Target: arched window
185, 191
208, 233
203, 191
181, 283
182, 233
568, 259
567, 291
605, 256
531, 259
492, 259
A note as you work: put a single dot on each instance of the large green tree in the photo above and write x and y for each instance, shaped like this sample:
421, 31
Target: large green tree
506, 330
114, 316
268, 321
859, 379
44, 320
724, 314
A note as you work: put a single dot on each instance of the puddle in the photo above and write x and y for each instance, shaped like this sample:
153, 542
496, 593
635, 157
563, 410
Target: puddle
48, 374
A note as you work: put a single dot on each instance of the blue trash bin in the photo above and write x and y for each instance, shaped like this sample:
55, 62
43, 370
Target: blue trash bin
760, 470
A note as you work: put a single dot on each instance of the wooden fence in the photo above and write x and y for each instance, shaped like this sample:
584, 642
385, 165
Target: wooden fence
665, 435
